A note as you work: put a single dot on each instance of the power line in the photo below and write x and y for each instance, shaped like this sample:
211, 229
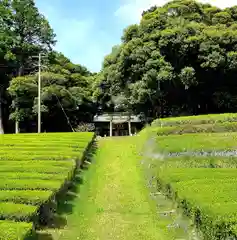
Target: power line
39, 57
68, 120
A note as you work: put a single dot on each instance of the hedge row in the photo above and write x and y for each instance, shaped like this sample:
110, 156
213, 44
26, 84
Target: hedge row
40, 149
197, 142
196, 152
190, 161
46, 163
14, 230
17, 211
200, 119
201, 128
33, 197
40, 155
34, 169
208, 196
32, 176
27, 184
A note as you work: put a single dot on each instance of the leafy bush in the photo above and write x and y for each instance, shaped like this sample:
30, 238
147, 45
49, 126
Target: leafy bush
85, 127
16, 211
14, 230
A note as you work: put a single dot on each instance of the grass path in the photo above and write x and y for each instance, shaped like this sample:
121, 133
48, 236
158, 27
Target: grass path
113, 202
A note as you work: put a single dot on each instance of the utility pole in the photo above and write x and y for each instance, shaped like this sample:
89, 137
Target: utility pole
39, 66
39, 95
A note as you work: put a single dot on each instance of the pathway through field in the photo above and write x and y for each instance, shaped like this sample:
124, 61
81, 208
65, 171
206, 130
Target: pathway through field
113, 202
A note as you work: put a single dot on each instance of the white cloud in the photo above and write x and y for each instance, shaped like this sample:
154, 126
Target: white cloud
130, 11
220, 3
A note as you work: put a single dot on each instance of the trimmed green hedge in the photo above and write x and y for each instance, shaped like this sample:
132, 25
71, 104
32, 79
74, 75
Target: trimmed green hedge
191, 161
197, 142
27, 155
201, 128
23, 184
203, 186
32, 176
200, 119
17, 211
208, 196
35, 168
45, 163
33, 197
14, 230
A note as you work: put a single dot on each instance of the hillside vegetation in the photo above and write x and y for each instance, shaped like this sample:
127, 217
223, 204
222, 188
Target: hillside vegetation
35, 170
180, 59
198, 170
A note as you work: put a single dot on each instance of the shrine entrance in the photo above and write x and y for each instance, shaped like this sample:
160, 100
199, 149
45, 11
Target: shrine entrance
117, 124
120, 129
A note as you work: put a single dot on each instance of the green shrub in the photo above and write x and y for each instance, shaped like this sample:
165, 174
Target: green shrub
14, 230
206, 195
45, 163
203, 186
35, 168
203, 128
32, 176
190, 161
85, 127
33, 197
200, 119
24, 184
23, 155
197, 142
19, 212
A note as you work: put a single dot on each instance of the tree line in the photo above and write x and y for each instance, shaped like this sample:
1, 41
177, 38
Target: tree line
66, 87
181, 59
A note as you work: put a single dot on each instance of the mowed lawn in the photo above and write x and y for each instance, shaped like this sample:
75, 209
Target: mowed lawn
113, 201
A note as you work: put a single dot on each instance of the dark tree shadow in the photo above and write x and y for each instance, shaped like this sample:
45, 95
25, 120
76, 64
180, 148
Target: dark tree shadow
41, 236
65, 199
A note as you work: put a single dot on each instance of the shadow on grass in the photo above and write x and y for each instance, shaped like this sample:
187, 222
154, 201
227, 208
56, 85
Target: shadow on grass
40, 236
65, 200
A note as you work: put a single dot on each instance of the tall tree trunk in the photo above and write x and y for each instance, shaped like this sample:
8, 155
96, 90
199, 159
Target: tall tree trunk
17, 127
17, 130
1, 116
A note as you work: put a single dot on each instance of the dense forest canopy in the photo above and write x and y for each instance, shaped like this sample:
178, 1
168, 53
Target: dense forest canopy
66, 87
181, 59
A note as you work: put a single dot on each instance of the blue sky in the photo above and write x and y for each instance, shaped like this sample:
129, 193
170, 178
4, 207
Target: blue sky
88, 29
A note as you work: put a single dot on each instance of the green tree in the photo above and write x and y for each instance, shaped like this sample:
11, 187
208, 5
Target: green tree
66, 89
180, 59
31, 34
